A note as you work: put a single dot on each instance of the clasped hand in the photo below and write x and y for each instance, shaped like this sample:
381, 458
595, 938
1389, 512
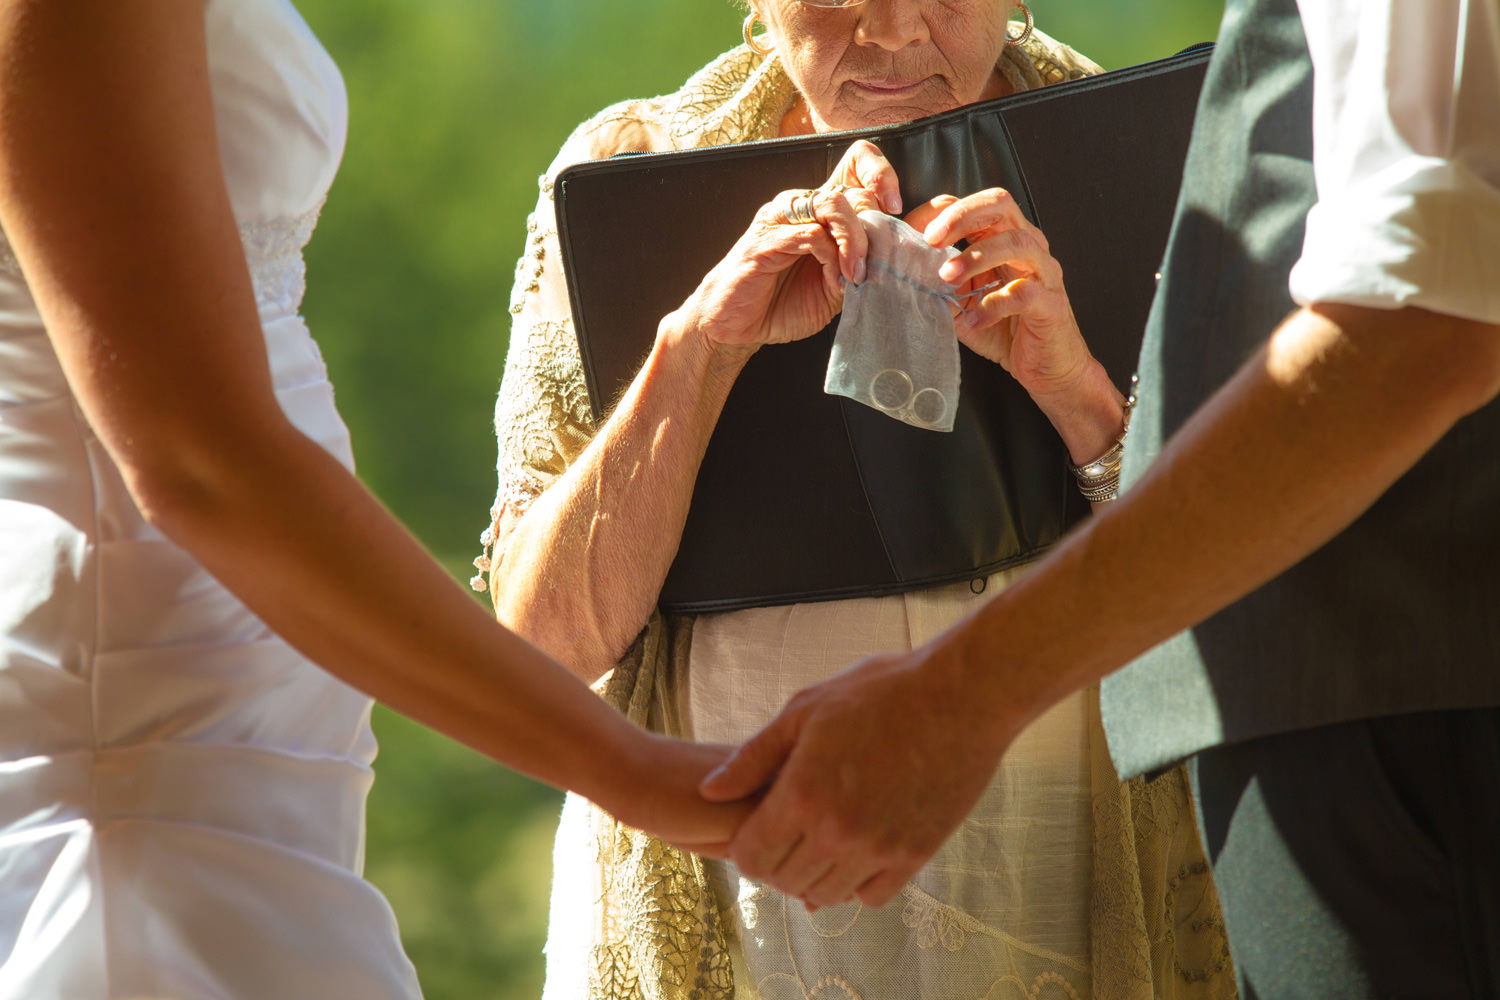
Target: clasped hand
849, 791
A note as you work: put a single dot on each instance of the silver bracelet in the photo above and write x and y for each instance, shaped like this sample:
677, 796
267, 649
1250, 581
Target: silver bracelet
1099, 480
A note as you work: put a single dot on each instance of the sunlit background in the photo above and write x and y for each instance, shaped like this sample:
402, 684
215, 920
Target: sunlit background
456, 107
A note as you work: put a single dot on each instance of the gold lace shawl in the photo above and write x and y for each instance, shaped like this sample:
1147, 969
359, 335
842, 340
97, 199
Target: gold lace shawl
658, 934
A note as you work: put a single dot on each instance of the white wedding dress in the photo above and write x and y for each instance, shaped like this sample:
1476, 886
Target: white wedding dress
182, 795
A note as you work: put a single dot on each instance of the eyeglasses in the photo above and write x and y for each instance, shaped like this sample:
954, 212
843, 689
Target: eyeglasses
831, 3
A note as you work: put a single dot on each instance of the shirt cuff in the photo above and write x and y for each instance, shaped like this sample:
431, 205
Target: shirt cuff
1420, 233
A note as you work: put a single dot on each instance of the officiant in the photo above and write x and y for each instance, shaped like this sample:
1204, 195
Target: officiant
589, 516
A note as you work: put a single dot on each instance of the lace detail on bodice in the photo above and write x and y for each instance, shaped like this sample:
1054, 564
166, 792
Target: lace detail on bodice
278, 271
273, 252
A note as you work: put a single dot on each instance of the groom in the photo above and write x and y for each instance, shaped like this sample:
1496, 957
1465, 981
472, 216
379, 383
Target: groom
1317, 500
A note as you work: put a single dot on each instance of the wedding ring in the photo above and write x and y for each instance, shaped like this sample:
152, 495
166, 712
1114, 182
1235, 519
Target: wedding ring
893, 393
926, 408
891, 389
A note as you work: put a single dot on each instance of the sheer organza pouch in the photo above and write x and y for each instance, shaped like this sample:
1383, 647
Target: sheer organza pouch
895, 348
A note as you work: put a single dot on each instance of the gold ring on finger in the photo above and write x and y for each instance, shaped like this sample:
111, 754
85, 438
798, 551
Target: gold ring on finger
801, 211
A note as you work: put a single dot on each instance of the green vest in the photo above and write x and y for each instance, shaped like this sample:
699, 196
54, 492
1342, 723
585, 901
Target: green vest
1401, 611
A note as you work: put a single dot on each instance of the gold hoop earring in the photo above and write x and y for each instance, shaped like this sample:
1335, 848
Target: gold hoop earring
1025, 32
750, 39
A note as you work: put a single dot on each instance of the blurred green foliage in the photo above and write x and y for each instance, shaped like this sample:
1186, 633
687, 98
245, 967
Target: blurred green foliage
456, 107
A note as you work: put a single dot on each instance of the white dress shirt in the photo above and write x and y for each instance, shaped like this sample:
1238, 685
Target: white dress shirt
1406, 152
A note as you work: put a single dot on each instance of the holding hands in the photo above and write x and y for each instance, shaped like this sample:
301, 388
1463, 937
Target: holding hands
870, 772
656, 789
847, 792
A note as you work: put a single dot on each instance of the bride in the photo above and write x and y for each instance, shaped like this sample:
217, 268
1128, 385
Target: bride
182, 540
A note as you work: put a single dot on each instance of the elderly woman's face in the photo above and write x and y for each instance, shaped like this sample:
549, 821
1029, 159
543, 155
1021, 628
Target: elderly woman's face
885, 61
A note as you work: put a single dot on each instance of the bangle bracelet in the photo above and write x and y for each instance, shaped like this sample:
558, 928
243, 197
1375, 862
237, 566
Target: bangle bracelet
1099, 480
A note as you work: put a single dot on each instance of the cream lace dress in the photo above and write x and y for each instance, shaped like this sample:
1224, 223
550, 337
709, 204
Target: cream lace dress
1062, 883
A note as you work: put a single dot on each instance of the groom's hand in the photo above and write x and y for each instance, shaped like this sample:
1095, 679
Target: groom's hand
869, 772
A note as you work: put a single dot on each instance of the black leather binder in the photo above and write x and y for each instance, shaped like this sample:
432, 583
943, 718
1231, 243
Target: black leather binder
804, 496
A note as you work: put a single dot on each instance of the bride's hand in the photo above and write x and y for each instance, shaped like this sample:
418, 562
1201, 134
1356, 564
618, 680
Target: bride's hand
783, 280
658, 793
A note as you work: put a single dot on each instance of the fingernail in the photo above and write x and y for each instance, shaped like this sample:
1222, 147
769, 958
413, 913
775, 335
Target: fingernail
894, 204
971, 319
950, 271
860, 271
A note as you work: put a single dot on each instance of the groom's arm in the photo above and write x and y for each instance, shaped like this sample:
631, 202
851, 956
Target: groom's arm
878, 765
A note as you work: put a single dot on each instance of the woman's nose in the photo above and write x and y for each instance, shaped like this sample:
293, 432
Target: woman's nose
891, 24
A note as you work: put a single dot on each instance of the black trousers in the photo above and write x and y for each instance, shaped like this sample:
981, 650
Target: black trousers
1362, 859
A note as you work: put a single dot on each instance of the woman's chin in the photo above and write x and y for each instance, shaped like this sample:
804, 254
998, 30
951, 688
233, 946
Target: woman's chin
876, 108
886, 115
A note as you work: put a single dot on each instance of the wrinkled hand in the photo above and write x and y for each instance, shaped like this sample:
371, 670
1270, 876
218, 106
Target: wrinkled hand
877, 767
1025, 324
783, 281
659, 793
870, 178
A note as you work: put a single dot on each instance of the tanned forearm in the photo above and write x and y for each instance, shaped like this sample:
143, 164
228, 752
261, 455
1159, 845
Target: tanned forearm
1308, 434
1301, 441
436, 658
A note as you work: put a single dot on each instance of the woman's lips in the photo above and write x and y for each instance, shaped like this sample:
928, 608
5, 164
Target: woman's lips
890, 88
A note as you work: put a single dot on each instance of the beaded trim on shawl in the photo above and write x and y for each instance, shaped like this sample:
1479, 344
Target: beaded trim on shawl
542, 417
278, 271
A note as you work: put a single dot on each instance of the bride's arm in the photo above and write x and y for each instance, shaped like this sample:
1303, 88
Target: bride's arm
112, 194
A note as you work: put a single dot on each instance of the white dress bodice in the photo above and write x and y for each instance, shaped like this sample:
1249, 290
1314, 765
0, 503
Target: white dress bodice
181, 793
